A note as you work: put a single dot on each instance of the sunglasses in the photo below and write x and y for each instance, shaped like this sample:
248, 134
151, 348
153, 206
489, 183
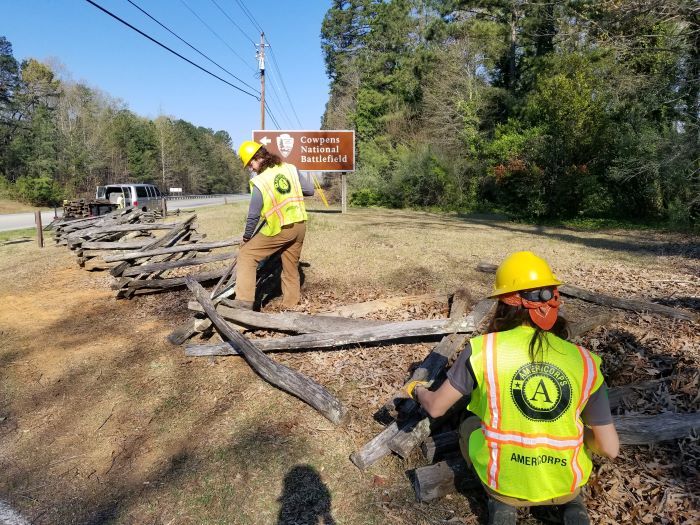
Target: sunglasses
541, 295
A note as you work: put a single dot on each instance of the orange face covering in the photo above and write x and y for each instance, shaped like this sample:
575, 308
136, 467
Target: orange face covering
543, 313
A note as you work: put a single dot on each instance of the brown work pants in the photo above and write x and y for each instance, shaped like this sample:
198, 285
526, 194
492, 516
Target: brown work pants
468, 426
289, 242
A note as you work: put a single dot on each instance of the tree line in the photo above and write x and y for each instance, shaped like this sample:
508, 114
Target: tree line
61, 139
540, 109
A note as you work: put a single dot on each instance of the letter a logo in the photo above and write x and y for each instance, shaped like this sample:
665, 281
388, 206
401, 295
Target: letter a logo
541, 390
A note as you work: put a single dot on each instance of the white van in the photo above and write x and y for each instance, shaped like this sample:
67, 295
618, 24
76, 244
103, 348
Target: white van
142, 196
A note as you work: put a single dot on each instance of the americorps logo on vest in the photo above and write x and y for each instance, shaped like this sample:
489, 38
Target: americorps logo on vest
282, 184
541, 391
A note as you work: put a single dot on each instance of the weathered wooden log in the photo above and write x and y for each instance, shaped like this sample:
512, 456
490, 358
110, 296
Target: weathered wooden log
118, 228
115, 245
586, 325
288, 321
645, 430
180, 263
634, 305
175, 282
440, 447
276, 374
166, 240
423, 328
369, 307
115, 217
375, 449
183, 332
121, 284
198, 247
441, 479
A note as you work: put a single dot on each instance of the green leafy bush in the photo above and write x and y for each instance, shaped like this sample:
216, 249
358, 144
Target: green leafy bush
39, 191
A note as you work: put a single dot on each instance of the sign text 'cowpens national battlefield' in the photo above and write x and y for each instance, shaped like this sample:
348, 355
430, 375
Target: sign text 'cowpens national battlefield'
326, 150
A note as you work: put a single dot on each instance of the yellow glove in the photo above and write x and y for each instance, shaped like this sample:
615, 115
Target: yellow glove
410, 387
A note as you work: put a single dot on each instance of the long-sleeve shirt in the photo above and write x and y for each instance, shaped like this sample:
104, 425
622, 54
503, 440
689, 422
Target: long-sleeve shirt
256, 204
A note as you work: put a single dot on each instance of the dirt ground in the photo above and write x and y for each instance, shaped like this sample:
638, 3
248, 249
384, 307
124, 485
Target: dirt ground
103, 421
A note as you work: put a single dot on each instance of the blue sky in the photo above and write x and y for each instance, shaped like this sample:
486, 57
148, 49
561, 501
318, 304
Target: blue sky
97, 50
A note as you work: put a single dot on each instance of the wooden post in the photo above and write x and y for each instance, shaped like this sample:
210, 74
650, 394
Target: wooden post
39, 229
344, 192
164, 207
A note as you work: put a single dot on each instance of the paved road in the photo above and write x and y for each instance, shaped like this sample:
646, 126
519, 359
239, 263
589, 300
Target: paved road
17, 221
212, 201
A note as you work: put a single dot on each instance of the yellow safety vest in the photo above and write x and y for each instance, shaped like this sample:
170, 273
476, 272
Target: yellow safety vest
283, 201
530, 445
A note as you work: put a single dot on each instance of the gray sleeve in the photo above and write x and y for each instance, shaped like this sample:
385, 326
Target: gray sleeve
460, 375
254, 209
307, 184
597, 409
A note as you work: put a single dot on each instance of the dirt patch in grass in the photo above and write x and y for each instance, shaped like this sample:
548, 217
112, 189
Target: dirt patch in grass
103, 421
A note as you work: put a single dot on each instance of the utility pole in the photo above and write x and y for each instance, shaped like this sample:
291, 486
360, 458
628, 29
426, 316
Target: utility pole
261, 65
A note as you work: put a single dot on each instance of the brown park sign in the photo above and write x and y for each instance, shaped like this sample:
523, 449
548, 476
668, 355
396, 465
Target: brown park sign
326, 150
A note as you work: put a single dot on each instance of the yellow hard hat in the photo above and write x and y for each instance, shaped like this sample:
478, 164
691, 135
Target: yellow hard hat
523, 271
247, 151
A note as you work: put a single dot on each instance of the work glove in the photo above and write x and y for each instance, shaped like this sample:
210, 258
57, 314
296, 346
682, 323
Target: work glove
410, 387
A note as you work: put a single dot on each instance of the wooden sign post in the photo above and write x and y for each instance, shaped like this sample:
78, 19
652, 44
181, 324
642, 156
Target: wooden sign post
39, 229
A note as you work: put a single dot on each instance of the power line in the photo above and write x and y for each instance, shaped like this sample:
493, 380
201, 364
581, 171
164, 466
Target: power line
168, 49
217, 35
274, 63
250, 16
234, 23
268, 111
191, 46
276, 95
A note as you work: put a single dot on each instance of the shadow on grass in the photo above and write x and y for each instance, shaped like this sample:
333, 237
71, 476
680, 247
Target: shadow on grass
305, 499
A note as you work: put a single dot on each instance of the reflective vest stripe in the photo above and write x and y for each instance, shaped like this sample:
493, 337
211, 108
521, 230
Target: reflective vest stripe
275, 207
278, 207
531, 435
530, 441
494, 403
589, 378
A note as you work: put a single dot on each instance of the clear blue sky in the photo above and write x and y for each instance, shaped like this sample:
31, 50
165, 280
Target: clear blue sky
100, 51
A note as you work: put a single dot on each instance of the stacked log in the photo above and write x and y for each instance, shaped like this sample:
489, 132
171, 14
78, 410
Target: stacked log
126, 243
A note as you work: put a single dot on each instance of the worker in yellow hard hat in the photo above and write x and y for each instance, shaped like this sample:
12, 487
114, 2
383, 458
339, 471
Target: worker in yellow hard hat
276, 223
538, 405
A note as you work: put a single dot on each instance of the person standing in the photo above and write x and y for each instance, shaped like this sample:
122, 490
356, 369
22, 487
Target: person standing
539, 402
277, 199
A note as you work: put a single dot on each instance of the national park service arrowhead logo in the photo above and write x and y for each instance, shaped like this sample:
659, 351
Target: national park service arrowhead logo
285, 144
541, 391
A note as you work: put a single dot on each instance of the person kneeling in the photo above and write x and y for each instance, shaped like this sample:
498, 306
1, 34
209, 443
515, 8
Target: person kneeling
540, 403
